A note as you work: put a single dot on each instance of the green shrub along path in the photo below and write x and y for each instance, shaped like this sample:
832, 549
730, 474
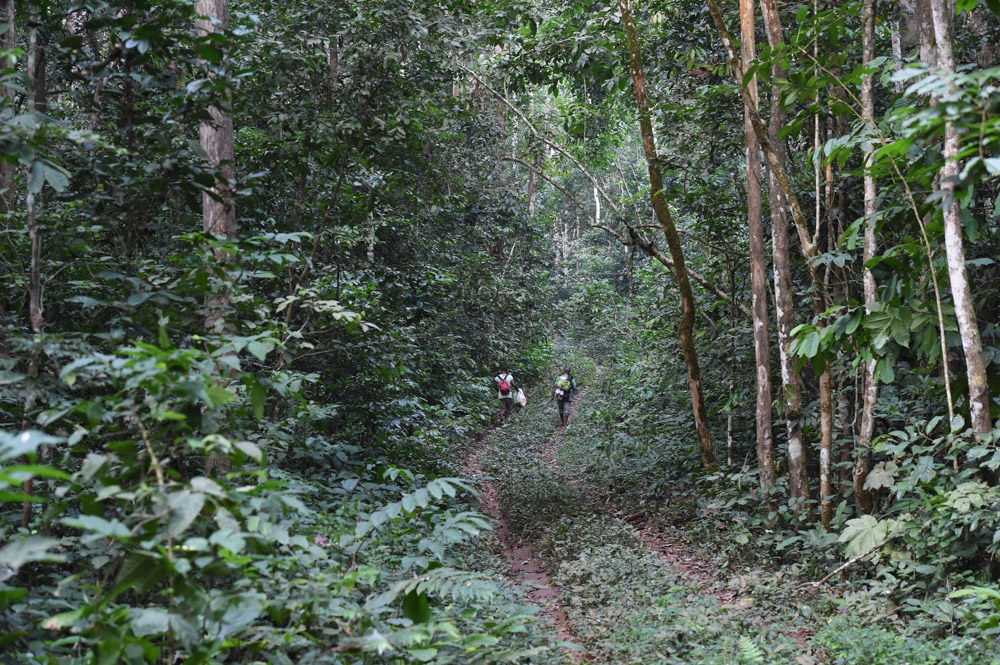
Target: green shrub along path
615, 580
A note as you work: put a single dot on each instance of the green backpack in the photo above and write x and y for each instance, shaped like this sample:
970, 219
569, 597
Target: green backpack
563, 384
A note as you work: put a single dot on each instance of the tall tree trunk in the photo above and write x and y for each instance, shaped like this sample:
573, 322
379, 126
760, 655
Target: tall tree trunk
219, 202
758, 268
943, 13
7, 195
862, 457
662, 210
784, 300
216, 134
826, 491
35, 303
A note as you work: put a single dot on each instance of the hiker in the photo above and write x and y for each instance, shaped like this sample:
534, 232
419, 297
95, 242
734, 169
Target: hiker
562, 390
506, 390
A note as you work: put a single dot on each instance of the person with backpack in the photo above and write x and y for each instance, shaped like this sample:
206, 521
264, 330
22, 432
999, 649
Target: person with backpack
562, 390
506, 391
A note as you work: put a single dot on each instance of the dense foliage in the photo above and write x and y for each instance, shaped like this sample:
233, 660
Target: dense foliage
237, 391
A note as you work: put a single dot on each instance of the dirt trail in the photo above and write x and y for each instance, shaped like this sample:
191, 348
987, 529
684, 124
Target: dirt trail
526, 569
679, 556
529, 570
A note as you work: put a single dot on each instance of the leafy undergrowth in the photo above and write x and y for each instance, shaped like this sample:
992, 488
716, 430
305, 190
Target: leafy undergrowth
642, 613
626, 604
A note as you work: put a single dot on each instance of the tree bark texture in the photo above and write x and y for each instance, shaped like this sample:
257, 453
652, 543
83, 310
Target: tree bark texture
758, 267
532, 193
217, 140
943, 13
216, 134
784, 300
662, 210
7, 170
862, 457
928, 54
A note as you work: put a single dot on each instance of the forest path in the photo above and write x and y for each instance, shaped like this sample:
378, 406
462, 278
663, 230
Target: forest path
526, 569
612, 582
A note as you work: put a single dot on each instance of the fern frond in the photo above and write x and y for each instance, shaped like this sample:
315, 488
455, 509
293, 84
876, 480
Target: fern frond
750, 651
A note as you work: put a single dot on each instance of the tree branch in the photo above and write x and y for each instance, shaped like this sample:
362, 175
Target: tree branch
634, 238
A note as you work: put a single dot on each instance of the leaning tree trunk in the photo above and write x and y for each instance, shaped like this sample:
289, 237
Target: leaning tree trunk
943, 12
758, 268
662, 210
862, 456
784, 300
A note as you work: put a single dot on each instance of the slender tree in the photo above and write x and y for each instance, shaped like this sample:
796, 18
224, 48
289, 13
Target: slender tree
784, 299
758, 265
36, 310
862, 457
8, 93
943, 14
685, 328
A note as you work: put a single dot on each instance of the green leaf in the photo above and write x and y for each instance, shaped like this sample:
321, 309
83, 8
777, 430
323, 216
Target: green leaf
884, 370
184, 509
423, 654
33, 548
260, 349
416, 607
251, 450
57, 178
98, 525
151, 621
209, 53
809, 346
881, 476
24, 443
228, 539
978, 591
473, 642
863, 533
258, 399
218, 396
37, 181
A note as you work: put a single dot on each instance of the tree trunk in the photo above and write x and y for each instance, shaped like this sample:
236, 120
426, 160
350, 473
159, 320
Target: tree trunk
758, 269
216, 134
532, 193
928, 54
943, 13
36, 309
219, 202
862, 456
784, 302
662, 210
7, 195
